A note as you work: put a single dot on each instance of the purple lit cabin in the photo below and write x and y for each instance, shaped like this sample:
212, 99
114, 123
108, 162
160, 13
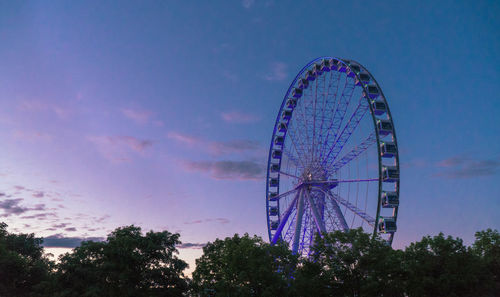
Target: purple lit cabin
387, 225
390, 199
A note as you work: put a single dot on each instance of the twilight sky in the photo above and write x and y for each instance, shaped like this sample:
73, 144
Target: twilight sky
160, 113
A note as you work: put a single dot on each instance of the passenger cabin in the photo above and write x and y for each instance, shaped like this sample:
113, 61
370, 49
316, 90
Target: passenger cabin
282, 127
378, 107
362, 79
388, 149
291, 103
273, 211
390, 174
274, 225
341, 67
333, 64
273, 182
277, 154
390, 199
352, 70
272, 196
303, 83
296, 93
384, 127
387, 225
279, 140
372, 92
317, 70
287, 114
310, 75
275, 167
325, 65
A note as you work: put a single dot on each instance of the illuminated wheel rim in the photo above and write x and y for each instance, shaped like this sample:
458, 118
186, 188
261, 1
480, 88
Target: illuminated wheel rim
333, 160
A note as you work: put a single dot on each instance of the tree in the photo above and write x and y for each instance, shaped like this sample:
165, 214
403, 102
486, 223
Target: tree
126, 264
441, 266
243, 266
487, 248
24, 269
350, 263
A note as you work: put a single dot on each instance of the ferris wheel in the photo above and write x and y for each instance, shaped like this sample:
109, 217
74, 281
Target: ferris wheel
333, 160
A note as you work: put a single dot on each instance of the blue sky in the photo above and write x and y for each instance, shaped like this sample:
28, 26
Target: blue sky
160, 113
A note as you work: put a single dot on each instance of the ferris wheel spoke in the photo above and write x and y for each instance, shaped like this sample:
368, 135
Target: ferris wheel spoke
288, 174
298, 223
346, 133
355, 210
339, 114
317, 218
284, 219
354, 153
337, 181
338, 212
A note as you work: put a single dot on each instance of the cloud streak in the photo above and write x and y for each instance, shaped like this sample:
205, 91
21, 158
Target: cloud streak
278, 72
118, 148
215, 147
239, 117
58, 240
466, 167
233, 170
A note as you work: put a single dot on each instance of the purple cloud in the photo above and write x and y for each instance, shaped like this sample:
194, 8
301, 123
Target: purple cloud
235, 170
12, 207
190, 245
39, 194
216, 220
138, 116
467, 167
239, 117
215, 147
118, 148
59, 240
278, 72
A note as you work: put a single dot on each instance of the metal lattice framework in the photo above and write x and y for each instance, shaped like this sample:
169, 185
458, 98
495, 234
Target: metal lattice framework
333, 161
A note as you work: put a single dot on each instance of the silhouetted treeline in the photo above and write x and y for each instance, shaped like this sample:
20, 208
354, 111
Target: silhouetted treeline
130, 263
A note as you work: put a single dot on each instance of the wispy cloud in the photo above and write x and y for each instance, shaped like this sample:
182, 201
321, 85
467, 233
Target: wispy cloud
42, 106
278, 72
235, 170
32, 136
467, 167
216, 220
215, 147
247, 3
14, 207
138, 116
118, 148
59, 240
239, 117
190, 245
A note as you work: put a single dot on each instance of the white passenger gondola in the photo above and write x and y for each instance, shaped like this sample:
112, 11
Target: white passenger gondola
384, 127
291, 103
390, 173
275, 167
296, 93
274, 225
282, 127
325, 65
277, 154
287, 114
273, 211
272, 196
303, 83
378, 107
387, 225
274, 182
279, 140
317, 70
352, 70
372, 92
390, 199
341, 67
388, 149
310, 75
362, 79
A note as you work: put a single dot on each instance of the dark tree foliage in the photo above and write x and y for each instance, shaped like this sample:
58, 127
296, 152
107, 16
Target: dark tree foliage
126, 264
487, 249
243, 266
442, 266
350, 264
24, 270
